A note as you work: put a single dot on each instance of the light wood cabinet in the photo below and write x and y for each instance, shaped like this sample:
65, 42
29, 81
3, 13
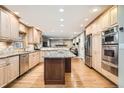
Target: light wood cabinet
105, 20
34, 36
96, 51
110, 76
22, 28
2, 72
34, 59
89, 30
9, 28
4, 26
13, 68
14, 27
9, 70
113, 15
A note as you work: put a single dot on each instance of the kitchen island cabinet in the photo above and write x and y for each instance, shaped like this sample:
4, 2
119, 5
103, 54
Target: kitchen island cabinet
54, 71
56, 64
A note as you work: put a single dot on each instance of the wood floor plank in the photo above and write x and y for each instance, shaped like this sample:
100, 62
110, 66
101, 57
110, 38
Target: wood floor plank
80, 77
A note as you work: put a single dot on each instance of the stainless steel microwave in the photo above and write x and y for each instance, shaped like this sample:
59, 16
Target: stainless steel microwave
110, 36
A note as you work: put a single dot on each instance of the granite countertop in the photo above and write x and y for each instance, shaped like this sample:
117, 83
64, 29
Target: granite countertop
59, 54
15, 54
53, 48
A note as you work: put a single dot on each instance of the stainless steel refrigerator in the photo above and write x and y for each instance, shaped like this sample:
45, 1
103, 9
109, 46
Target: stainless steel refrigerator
88, 50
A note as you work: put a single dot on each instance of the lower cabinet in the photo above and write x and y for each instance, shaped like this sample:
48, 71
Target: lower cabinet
13, 68
9, 70
96, 52
34, 59
2, 72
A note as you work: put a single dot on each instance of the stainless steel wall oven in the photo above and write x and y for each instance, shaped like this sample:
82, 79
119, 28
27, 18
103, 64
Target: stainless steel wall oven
110, 53
110, 50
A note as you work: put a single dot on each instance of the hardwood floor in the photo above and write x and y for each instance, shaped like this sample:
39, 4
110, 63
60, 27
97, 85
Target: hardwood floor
80, 77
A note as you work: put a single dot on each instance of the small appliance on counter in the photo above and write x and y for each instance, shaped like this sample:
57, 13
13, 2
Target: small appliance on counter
110, 50
37, 46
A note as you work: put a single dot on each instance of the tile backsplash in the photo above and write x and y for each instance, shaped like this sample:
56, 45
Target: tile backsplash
3, 46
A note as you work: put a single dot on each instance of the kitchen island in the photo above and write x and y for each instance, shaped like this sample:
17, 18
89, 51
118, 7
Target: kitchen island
56, 64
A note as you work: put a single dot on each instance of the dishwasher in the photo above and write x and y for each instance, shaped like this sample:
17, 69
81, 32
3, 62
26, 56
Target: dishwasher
24, 63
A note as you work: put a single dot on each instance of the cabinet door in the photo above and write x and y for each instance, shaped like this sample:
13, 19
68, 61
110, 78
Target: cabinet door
2, 72
39, 37
30, 36
13, 68
4, 26
31, 60
94, 47
14, 27
22, 28
2, 69
113, 14
96, 62
89, 30
36, 36
106, 19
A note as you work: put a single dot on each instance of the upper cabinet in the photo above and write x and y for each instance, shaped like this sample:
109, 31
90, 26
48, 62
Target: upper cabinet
105, 20
89, 29
4, 26
22, 28
9, 26
14, 27
34, 36
113, 15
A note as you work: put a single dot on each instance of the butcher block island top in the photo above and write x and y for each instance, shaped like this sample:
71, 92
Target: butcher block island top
56, 64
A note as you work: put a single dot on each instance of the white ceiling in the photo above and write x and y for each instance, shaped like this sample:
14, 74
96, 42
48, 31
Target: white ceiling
47, 18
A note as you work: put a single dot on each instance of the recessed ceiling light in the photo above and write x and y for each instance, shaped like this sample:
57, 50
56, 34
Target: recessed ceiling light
61, 10
86, 19
62, 25
81, 25
61, 19
17, 13
95, 10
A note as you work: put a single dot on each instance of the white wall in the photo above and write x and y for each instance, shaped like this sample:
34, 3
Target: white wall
121, 46
81, 45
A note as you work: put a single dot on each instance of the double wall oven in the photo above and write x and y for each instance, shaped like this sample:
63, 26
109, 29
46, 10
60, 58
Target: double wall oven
110, 50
